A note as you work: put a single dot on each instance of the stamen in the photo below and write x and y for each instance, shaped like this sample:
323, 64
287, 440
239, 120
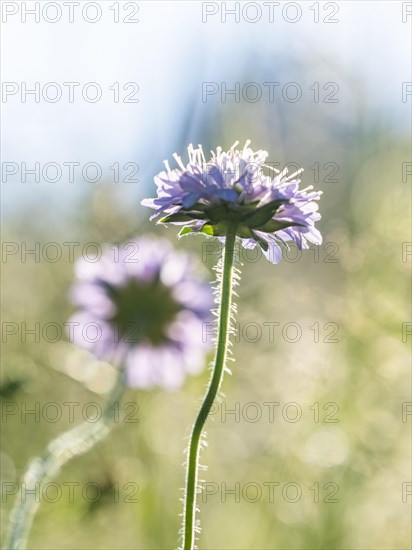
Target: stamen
191, 152
271, 168
295, 173
248, 142
308, 188
179, 161
201, 153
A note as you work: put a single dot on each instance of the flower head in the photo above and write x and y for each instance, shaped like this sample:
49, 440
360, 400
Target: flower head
143, 306
232, 189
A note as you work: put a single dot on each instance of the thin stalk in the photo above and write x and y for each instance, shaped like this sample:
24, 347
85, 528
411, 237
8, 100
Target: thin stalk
74, 442
189, 511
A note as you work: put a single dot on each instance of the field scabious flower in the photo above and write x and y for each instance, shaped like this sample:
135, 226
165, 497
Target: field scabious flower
232, 189
141, 306
231, 198
144, 310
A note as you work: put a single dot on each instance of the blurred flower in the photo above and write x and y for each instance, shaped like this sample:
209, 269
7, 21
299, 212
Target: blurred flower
232, 189
143, 309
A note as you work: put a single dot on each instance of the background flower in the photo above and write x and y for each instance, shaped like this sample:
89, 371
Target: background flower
143, 306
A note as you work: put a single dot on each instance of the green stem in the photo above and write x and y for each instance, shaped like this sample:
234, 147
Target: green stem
59, 451
189, 511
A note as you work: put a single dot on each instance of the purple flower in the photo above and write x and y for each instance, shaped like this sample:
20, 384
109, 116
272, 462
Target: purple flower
143, 306
232, 189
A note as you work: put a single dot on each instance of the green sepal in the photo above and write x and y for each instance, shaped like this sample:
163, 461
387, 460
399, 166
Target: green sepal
244, 232
179, 217
185, 231
207, 229
261, 242
200, 206
276, 225
218, 213
262, 214
216, 230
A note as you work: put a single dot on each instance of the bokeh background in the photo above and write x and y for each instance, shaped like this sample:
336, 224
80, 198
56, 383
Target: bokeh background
347, 377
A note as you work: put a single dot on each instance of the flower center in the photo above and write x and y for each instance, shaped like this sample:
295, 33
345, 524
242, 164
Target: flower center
144, 311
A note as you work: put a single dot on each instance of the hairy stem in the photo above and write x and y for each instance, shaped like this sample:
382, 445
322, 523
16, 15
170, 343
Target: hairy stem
189, 511
59, 451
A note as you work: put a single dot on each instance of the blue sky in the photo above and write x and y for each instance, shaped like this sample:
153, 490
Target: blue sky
169, 53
